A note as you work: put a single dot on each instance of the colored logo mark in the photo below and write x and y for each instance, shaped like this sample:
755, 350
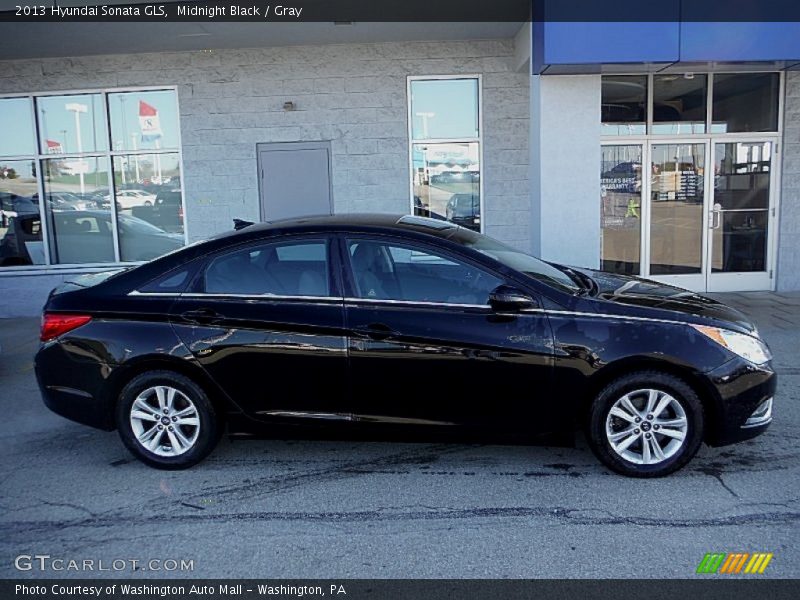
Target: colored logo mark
734, 563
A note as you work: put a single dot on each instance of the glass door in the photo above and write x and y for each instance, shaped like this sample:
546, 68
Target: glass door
739, 256
678, 194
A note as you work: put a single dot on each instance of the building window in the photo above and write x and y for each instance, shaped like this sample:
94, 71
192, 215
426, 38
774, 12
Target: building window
624, 105
621, 208
445, 148
64, 157
745, 102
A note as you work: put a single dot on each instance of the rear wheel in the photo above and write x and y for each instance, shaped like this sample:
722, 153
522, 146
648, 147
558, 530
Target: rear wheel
646, 424
166, 420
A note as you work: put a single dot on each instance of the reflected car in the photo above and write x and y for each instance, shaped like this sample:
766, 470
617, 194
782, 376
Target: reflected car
12, 205
127, 199
464, 210
64, 201
165, 213
402, 321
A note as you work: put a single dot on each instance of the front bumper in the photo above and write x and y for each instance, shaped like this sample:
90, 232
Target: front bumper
741, 388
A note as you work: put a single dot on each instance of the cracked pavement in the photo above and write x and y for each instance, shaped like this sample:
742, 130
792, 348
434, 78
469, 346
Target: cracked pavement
357, 508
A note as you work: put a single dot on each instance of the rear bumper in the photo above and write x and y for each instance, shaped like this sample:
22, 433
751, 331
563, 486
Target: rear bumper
68, 391
741, 388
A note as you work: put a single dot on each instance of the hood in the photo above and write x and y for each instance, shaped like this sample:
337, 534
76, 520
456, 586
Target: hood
645, 293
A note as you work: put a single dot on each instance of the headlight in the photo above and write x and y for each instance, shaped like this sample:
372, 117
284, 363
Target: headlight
748, 347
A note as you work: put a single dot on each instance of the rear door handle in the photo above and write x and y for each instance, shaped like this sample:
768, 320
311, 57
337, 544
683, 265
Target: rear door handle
202, 315
376, 331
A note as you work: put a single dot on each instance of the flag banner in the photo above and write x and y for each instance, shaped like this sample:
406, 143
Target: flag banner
54, 147
149, 122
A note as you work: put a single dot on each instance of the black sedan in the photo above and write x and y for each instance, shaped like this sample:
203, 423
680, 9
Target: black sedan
376, 321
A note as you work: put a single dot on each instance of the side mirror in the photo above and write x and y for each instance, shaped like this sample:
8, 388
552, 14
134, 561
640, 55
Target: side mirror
508, 298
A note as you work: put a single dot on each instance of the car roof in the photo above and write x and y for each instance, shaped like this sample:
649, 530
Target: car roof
371, 222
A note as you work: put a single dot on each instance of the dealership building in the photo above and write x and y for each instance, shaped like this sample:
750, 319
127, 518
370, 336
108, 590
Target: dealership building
669, 150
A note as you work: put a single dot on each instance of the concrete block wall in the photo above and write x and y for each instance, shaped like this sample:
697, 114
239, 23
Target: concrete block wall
353, 95
788, 271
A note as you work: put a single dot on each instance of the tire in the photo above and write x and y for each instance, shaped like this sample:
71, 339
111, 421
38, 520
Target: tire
619, 441
188, 432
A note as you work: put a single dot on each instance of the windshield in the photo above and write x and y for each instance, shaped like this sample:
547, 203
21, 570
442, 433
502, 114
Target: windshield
514, 259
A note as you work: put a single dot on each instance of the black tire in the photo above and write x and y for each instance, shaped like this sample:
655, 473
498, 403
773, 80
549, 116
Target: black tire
210, 428
614, 391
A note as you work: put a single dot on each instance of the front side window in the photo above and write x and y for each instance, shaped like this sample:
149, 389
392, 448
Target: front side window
276, 269
387, 271
444, 115
89, 177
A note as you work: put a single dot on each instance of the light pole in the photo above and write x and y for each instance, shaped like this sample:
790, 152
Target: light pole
78, 109
135, 157
425, 116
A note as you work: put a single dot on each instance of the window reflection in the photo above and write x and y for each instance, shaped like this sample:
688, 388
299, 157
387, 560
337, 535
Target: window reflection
676, 212
71, 124
78, 210
149, 204
679, 104
444, 108
624, 104
20, 225
745, 102
621, 206
143, 120
16, 125
446, 180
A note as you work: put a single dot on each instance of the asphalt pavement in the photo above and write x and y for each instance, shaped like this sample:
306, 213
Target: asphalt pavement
352, 508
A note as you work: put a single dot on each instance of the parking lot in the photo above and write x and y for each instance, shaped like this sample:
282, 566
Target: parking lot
367, 509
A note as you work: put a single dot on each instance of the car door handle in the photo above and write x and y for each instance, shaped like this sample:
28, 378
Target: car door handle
202, 315
376, 331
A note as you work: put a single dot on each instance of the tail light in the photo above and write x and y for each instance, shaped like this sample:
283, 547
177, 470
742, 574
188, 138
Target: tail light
54, 325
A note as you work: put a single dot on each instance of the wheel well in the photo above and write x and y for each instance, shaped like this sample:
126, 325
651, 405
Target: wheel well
124, 374
607, 374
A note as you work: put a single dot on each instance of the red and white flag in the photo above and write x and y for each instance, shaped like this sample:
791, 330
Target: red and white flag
54, 147
149, 122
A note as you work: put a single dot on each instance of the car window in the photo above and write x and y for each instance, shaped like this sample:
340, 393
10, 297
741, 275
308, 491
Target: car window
390, 271
297, 268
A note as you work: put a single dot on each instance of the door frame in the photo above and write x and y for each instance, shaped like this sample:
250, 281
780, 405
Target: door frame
288, 147
756, 280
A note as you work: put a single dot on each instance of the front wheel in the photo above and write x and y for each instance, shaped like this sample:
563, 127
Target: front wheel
166, 420
646, 424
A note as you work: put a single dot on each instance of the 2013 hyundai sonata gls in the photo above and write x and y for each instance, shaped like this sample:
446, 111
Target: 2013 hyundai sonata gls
369, 319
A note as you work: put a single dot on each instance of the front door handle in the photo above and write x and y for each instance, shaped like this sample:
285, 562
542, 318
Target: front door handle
376, 331
202, 315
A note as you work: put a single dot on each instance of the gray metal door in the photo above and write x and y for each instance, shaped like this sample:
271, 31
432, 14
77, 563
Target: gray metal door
294, 179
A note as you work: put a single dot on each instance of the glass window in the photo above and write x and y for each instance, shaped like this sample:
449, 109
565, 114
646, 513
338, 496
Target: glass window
676, 212
621, 208
624, 104
399, 272
16, 125
444, 108
679, 104
149, 205
281, 269
143, 120
173, 282
745, 102
20, 226
78, 210
71, 124
447, 182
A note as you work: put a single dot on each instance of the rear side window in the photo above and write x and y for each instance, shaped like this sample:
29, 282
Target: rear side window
296, 268
173, 282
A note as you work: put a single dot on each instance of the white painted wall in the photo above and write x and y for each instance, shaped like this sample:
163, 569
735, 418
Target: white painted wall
565, 163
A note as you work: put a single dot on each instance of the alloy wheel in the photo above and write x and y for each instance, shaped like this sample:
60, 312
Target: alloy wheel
165, 421
646, 426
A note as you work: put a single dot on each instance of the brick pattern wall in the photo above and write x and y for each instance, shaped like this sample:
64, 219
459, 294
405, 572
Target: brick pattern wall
353, 95
788, 272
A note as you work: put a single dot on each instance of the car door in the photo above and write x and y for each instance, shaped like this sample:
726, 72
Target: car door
266, 322
425, 346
